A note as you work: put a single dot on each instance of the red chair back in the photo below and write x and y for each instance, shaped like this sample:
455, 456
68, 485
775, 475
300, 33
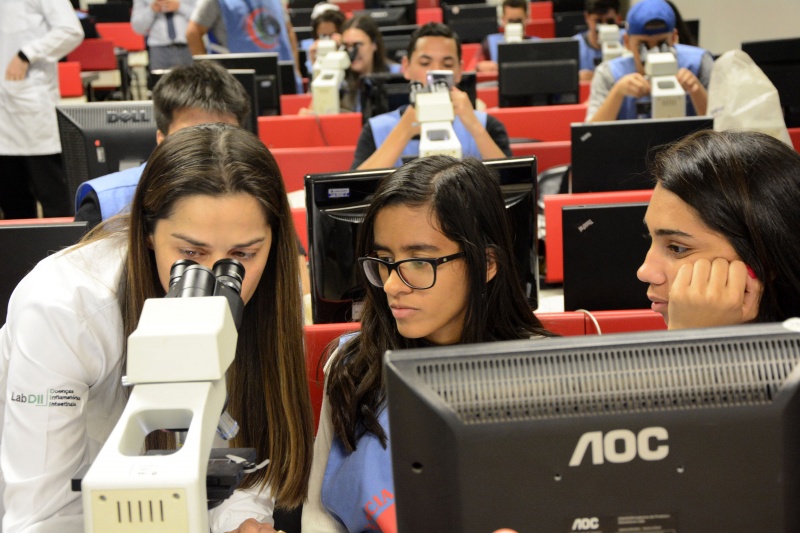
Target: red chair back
95, 54
122, 35
69, 79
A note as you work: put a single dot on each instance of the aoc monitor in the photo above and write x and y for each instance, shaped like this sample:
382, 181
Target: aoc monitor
268, 76
604, 245
336, 204
24, 245
538, 72
472, 22
98, 138
780, 61
613, 156
384, 92
686, 431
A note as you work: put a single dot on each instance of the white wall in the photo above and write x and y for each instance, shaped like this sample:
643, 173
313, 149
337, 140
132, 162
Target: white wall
725, 24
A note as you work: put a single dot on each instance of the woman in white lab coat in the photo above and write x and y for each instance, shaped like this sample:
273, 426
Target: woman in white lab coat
34, 35
208, 192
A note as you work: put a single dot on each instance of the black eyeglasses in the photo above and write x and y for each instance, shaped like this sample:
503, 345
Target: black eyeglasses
416, 273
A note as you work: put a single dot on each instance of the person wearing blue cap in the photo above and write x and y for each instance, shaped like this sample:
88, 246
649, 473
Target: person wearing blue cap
619, 83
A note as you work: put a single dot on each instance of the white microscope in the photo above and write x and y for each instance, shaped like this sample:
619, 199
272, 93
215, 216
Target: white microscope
668, 99
177, 359
514, 32
326, 85
608, 36
435, 115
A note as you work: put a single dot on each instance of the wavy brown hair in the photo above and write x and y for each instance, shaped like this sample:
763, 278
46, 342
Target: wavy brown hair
467, 202
267, 386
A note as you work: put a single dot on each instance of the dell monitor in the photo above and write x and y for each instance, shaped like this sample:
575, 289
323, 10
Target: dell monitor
686, 431
336, 204
99, 138
472, 22
613, 156
384, 92
268, 76
538, 72
780, 61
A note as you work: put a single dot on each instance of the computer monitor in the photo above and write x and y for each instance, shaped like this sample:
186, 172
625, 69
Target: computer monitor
671, 431
396, 40
612, 156
384, 92
268, 76
288, 82
538, 72
569, 23
387, 16
472, 22
780, 61
98, 138
110, 12
603, 246
24, 245
336, 204
300, 16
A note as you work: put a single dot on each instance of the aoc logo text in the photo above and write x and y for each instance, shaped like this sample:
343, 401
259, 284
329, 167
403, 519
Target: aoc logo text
586, 524
622, 446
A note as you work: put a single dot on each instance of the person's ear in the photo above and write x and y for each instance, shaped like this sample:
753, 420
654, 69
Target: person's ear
674, 38
159, 137
404, 67
626, 42
150, 242
491, 264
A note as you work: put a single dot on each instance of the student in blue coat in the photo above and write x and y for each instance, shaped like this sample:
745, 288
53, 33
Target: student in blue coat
388, 138
438, 267
514, 11
618, 83
591, 52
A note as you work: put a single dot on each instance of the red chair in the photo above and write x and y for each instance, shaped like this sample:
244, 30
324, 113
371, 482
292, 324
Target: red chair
569, 323
471, 53
794, 135
291, 103
293, 131
348, 6
300, 225
429, 14
544, 28
489, 95
625, 321
122, 35
543, 123
548, 154
540, 10
295, 163
97, 56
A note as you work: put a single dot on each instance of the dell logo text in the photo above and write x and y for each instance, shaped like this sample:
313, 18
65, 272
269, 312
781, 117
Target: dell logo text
137, 115
622, 446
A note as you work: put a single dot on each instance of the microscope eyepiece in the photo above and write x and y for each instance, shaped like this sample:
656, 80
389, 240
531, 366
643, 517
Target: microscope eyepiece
230, 273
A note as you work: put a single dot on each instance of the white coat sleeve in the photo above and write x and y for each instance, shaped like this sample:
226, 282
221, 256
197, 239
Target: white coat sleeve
243, 504
316, 518
55, 357
63, 36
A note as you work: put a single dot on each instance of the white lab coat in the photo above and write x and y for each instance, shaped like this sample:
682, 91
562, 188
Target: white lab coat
64, 333
45, 31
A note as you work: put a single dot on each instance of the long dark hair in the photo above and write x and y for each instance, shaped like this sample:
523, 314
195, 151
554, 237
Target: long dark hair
267, 385
380, 63
468, 204
744, 186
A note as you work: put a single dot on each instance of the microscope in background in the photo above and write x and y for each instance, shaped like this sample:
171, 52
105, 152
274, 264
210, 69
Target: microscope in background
667, 98
435, 115
326, 85
177, 359
514, 32
608, 36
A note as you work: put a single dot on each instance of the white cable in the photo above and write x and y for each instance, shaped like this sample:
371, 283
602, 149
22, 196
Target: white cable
593, 319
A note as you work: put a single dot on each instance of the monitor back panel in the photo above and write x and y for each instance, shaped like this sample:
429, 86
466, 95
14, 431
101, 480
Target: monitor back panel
25, 245
604, 245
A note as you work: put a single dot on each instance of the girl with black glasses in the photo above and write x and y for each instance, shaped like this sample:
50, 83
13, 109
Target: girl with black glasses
435, 250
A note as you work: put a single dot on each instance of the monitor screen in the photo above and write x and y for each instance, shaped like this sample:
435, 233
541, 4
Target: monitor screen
603, 246
110, 11
538, 72
384, 92
569, 23
336, 204
396, 40
247, 77
288, 85
666, 431
99, 138
780, 61
472, 22
268, 76
612, 156
24, 245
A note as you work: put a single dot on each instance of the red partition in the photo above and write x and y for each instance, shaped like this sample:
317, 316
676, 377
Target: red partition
295, 163
348, 6
584, 90
122, 35
566, 324
548, 154
471, 53
554, 255
300, 225
95, 54
429, 14
544, 28
70, 84
489, 95
291, 103
294, 131
794, 134
540, 10
625, 321
542, 123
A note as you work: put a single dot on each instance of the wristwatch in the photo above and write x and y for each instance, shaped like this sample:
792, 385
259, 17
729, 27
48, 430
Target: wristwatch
23, 57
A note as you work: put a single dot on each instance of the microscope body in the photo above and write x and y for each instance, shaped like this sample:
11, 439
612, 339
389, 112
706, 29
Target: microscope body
435, 115
514, 32
325, 87
177, 359
668, 99
608, 35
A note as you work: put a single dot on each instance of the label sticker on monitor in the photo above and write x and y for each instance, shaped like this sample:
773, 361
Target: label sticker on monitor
340, 192
651, 523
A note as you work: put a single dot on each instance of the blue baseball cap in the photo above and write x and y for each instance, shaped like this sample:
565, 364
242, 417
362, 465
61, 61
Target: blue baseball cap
650, 12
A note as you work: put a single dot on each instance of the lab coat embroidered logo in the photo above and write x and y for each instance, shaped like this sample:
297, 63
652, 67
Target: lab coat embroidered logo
64, 397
